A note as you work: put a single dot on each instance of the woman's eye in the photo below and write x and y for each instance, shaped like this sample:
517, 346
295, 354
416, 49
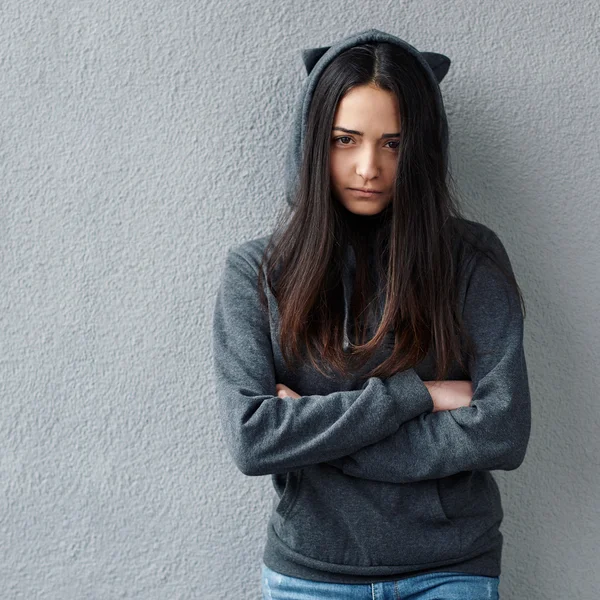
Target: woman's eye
345, 137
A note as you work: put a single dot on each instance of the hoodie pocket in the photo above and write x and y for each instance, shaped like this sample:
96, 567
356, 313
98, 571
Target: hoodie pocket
343, 520
439, 511
472, 501
290, 491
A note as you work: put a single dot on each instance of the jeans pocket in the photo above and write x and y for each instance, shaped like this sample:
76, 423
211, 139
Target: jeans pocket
450, 584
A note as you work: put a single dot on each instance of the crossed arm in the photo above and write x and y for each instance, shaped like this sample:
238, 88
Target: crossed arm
446, 395
398, 429
488, 430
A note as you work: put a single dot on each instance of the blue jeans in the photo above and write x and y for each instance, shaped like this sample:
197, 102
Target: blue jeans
433, 586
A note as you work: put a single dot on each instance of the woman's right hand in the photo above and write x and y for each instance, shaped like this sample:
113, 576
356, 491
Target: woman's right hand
448, 395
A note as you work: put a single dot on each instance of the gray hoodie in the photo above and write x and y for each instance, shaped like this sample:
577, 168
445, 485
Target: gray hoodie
370, 484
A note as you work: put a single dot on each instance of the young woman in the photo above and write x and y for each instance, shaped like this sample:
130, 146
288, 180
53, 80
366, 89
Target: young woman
369, 352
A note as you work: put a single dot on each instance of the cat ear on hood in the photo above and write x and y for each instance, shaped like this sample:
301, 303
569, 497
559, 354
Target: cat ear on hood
311, 56
439, 63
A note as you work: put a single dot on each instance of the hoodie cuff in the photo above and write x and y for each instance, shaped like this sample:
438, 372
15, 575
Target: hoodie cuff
410, 393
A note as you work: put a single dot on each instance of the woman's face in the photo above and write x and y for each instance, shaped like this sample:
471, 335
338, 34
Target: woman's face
364, 148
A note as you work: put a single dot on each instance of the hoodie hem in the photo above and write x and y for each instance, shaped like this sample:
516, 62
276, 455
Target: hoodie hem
282, 559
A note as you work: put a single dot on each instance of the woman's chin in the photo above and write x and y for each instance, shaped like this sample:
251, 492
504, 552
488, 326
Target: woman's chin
365, 207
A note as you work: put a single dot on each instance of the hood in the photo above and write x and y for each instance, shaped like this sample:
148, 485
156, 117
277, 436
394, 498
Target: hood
315, 61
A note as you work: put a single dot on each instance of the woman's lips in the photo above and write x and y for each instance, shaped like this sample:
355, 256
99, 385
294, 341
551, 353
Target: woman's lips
362, 194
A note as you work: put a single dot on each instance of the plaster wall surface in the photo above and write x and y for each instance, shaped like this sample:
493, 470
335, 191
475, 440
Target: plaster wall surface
139, 140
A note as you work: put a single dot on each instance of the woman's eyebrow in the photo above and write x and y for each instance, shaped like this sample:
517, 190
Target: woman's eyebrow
385, 135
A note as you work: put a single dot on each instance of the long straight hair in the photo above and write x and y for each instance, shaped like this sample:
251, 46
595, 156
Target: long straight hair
415, 265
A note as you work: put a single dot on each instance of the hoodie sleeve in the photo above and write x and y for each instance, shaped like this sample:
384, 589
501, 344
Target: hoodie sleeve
266, 434
493, 431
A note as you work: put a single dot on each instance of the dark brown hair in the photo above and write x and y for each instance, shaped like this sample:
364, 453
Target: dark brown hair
413, 249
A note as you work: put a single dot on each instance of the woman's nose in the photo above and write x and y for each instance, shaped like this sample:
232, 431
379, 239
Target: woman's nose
367, 166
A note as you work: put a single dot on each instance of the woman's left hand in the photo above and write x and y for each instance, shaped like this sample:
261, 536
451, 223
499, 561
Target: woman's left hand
282, 391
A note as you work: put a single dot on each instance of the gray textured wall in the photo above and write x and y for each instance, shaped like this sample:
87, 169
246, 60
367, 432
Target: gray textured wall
138, 141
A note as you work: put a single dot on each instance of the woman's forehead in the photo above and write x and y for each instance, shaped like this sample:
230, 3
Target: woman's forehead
368, 110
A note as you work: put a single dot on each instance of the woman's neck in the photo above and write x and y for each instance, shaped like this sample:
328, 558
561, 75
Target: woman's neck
364, 228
